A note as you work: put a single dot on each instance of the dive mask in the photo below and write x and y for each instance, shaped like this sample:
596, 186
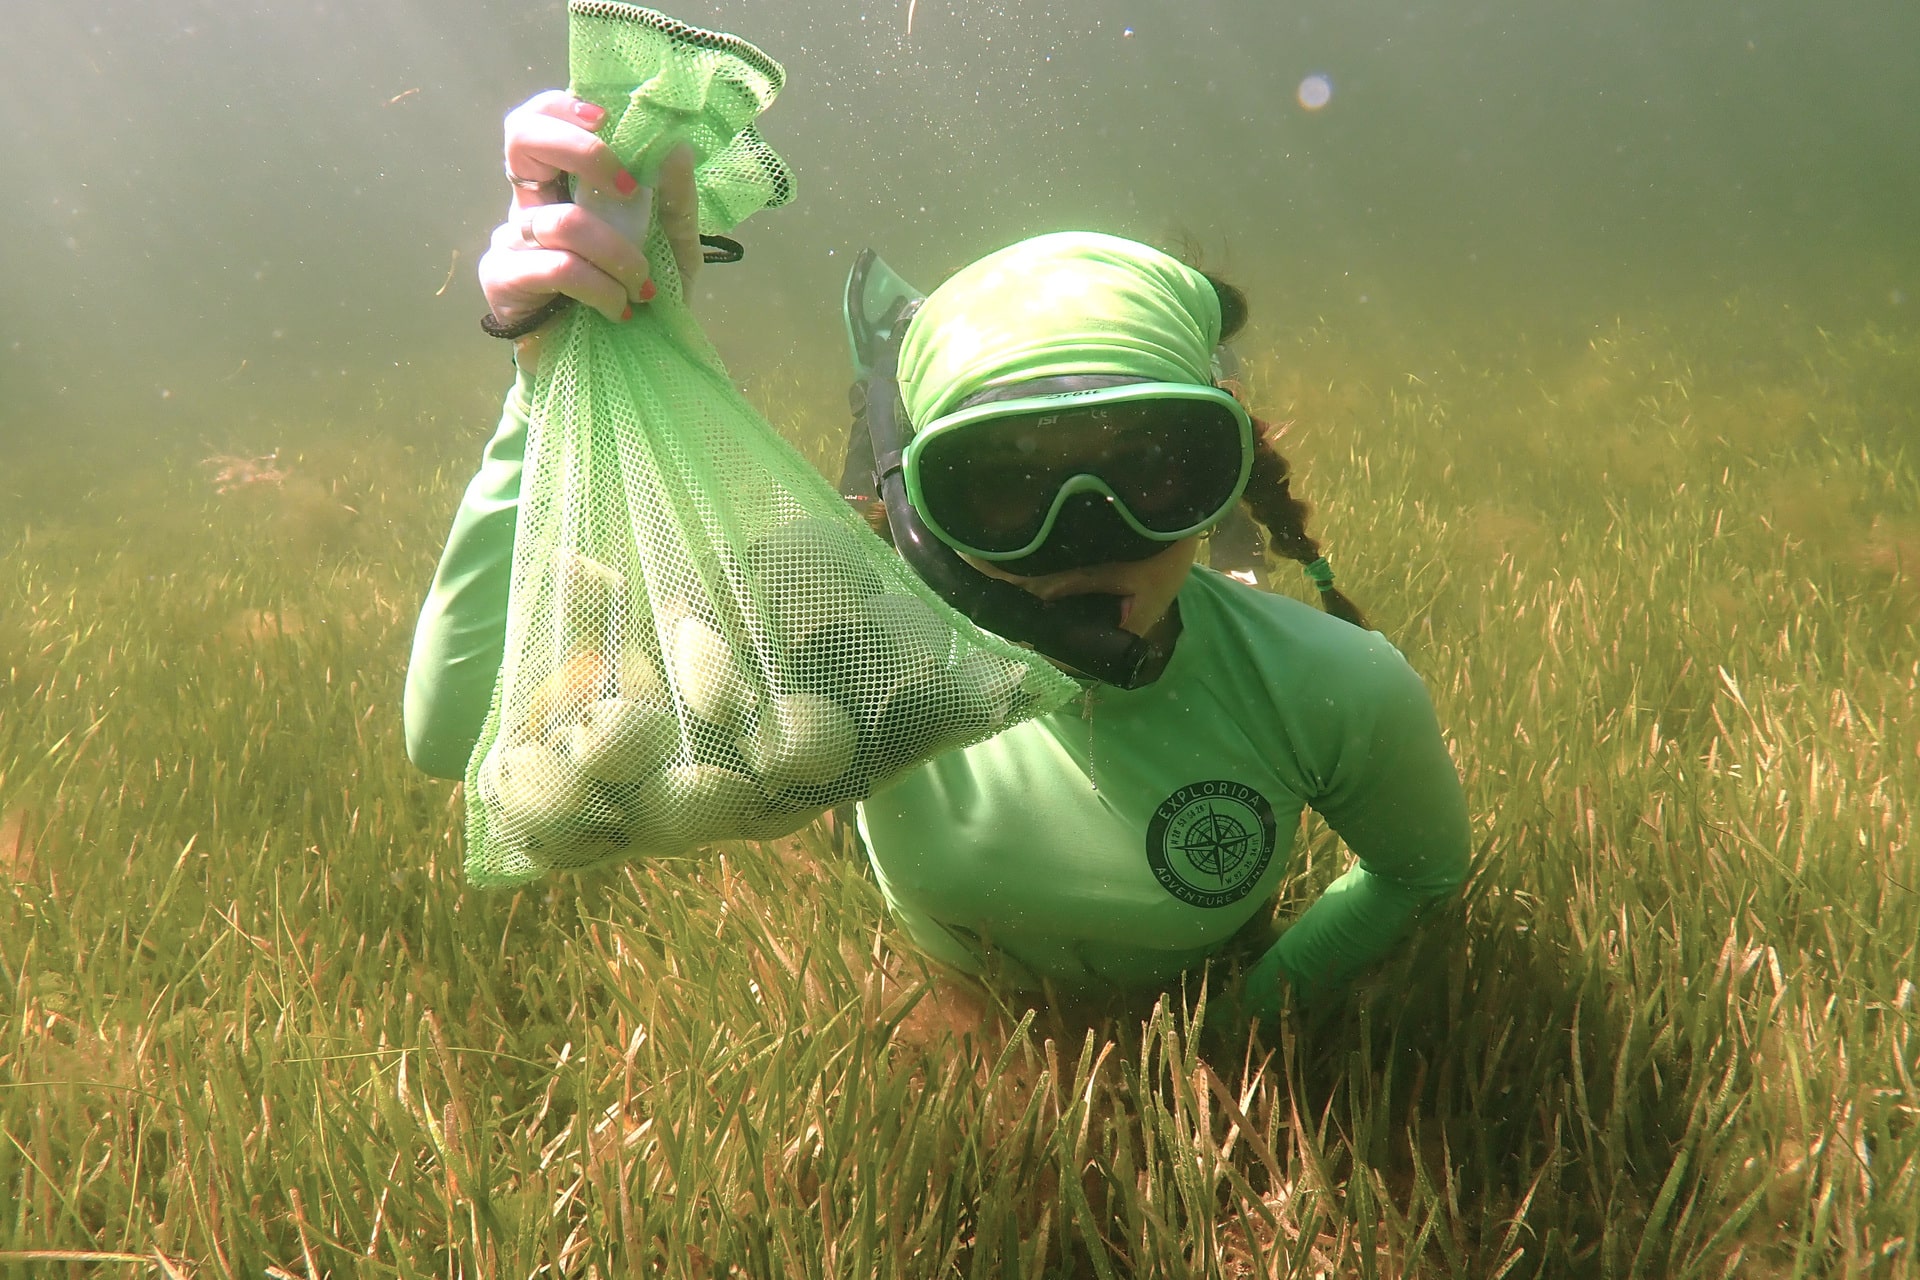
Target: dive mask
1041, 483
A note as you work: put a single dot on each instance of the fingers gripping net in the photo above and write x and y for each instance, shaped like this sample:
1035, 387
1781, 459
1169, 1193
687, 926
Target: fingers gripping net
703, 641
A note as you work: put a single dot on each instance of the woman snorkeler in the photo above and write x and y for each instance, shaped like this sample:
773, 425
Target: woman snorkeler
1056, 425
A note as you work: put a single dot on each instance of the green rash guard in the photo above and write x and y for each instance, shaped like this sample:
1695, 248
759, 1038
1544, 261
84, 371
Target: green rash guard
1121, 843
1118, 847
461, 637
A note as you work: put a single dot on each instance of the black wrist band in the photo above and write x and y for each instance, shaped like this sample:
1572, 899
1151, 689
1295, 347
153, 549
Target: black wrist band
721, 249
494, 327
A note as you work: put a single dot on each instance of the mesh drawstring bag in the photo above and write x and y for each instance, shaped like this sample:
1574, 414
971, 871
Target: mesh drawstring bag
703, 641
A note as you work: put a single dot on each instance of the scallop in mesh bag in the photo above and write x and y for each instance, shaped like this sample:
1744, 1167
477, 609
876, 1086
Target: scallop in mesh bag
703, 641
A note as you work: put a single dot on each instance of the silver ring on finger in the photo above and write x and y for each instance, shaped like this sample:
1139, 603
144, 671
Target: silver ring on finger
528, 236
525, 184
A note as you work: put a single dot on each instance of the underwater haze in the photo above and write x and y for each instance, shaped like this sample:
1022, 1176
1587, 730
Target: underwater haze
1592, 331
228, 214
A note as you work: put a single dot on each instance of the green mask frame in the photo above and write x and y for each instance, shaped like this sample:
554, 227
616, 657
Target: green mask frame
913, 461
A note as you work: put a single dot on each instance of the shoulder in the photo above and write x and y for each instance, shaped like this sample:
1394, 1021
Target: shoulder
1291, 643
1322, 682
1346, 707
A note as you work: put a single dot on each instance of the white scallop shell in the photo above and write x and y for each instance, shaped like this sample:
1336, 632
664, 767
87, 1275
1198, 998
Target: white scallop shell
700, 801
802, 739
621, 741
709, 678
536, 795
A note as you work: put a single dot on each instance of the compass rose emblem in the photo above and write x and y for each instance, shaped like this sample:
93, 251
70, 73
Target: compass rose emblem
1209, 842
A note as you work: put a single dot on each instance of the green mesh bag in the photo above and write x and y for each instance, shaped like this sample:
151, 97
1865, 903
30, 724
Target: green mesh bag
703, 641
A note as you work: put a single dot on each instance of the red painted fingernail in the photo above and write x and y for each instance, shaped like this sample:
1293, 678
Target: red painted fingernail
627, 314
647, 291
591, 114
626, 184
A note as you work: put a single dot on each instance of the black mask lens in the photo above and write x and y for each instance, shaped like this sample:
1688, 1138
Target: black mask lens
1173, 462
1089, 531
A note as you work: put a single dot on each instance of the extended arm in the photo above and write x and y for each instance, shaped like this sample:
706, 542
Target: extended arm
1391, 792
547, 245
461, 636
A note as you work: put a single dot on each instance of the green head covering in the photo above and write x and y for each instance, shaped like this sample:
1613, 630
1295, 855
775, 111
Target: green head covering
1074, 302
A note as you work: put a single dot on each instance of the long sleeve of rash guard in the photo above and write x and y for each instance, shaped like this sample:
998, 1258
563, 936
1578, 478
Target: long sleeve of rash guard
461, 635
1395, 799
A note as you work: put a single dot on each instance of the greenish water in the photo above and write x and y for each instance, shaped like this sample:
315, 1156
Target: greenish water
1595, 330
231, 221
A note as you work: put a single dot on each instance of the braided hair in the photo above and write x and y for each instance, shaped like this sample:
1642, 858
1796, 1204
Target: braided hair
1269, 492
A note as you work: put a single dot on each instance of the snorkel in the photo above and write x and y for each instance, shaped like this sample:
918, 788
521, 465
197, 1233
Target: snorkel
1079, 631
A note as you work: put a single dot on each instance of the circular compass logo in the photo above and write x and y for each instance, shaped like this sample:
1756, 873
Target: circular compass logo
1209, 842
